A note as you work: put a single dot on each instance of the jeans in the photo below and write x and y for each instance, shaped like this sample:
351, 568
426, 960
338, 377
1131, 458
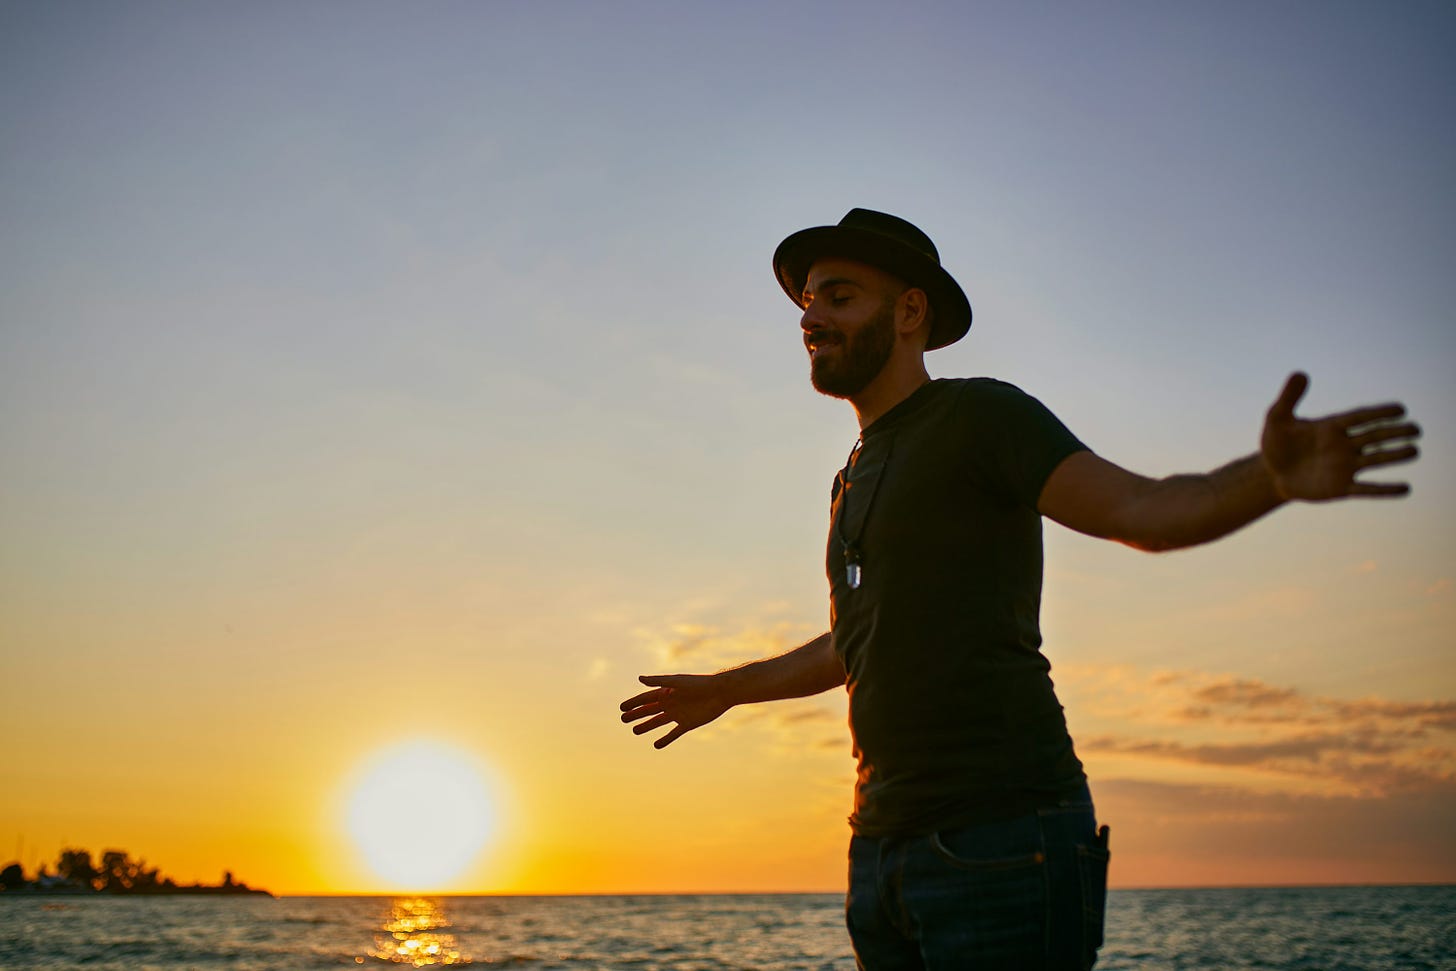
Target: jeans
1026, 894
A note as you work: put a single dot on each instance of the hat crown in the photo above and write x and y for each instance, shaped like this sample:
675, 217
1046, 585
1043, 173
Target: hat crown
894, 227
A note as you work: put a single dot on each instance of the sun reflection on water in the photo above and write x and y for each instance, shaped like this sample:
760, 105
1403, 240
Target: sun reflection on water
414, 934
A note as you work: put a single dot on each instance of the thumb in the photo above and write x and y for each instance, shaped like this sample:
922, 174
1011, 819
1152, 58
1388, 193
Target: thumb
659, 680
1283, 408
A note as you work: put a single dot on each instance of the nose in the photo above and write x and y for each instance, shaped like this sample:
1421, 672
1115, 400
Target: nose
811, 319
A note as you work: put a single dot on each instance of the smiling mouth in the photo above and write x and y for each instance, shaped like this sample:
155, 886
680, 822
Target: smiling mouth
820, 343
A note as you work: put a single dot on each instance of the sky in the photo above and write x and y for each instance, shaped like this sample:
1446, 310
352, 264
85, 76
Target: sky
396, 374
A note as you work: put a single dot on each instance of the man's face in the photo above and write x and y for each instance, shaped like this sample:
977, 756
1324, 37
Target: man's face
849, 325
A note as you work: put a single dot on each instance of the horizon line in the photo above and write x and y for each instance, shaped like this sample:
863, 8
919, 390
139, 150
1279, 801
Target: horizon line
820, 893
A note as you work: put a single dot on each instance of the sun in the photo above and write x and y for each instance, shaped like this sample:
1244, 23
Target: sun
420, 814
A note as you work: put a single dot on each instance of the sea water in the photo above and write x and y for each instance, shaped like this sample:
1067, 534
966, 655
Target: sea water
1310, 929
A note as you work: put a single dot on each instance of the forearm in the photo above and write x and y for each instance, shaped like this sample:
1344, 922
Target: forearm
1186, 510
804, 671
1093, 496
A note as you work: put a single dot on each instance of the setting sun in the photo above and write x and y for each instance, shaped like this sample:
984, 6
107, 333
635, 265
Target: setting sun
420, 814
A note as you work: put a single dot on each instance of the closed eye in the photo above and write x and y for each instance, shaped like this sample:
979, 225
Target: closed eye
837, 291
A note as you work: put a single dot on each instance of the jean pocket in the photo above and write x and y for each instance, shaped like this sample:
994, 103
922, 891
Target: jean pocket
991, 847
1092, 870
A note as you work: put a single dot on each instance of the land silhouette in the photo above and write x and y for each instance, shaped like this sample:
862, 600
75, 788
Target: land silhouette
74, 872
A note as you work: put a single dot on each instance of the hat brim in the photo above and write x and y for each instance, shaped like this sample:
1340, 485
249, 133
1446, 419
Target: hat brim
796, 254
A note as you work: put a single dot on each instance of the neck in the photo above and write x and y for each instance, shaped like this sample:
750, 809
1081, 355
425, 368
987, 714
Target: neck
898, 380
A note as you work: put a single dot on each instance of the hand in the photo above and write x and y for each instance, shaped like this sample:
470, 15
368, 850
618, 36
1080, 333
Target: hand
1318, 459
690, 700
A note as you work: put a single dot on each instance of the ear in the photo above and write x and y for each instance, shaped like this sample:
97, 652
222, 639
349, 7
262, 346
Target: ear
913, 310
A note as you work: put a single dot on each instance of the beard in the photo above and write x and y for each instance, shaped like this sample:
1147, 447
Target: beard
858, 360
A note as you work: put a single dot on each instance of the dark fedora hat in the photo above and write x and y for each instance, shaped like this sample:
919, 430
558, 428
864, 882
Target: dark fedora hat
888, 243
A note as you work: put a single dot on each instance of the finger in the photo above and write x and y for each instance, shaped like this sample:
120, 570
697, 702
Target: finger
1387, 456
648, 726
1364, 416
640, 712
1379, 490
1294, 388
670, 737
1351, 420
1386, 433
642, 699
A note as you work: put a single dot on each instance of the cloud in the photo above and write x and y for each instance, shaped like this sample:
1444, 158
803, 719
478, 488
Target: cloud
1245, 693
689, 640
814, 727
1215, 778
1310, 748
708, 647
1367, 767
801, 716
1173, 834
1355, 746
1234, 700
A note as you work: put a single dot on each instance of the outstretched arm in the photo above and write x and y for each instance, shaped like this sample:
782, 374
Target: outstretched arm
692, 700
1308, 459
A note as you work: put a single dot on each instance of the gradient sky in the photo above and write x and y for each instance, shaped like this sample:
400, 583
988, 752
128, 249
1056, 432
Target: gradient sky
382, 371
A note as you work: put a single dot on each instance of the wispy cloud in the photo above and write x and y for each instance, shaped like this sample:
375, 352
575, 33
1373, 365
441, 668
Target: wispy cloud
1233, 700
803, 716
1179, 834
703, 647
1245, 693
1358, 746
814, 726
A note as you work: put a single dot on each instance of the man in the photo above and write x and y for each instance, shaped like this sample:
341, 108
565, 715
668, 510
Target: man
974, 841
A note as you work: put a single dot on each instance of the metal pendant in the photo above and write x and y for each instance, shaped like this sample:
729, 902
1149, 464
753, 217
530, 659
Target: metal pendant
852, 573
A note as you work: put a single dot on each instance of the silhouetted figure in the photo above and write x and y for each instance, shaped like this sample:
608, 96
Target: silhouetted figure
974, 838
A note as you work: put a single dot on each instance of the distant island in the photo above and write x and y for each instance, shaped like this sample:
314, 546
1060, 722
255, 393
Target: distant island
75, 873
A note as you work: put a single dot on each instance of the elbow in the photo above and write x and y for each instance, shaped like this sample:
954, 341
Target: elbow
1163, 542
1153, 544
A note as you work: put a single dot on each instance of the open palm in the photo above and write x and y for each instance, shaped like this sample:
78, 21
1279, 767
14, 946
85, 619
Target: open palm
1318, 459
685, 701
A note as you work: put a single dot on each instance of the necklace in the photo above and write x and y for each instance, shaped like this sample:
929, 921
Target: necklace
853, 554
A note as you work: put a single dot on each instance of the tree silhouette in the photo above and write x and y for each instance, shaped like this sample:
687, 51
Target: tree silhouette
117, 873
75, 865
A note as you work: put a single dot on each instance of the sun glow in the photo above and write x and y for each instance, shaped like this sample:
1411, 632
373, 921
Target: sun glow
420, 814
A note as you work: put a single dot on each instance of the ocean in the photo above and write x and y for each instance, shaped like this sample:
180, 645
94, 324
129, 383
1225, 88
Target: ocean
1309, 929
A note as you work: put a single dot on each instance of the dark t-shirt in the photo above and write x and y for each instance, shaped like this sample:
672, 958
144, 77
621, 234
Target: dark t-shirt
950, 703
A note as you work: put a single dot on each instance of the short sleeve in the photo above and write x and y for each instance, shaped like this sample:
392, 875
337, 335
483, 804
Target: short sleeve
1017, 439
